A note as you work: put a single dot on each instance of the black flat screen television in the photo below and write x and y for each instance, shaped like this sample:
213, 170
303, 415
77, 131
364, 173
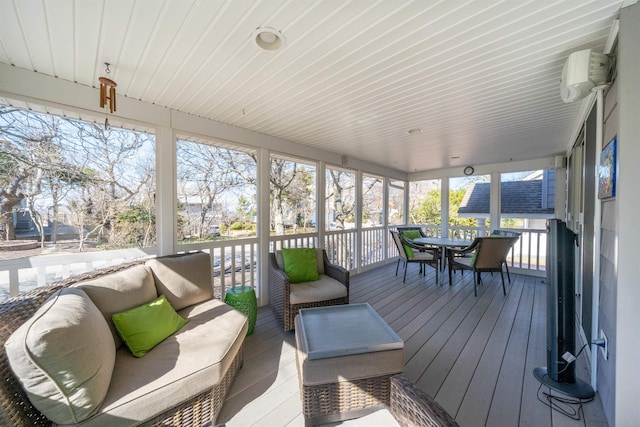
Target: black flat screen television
561, 243
560, 374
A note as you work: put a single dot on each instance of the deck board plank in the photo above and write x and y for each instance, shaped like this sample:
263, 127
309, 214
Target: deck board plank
509, 378
476, 355
482, 354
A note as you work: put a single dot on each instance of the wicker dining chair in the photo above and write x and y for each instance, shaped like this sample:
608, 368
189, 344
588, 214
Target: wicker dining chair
507, 233
490, 255
412, 253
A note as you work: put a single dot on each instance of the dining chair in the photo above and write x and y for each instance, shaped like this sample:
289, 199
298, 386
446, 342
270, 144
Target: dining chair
506, 233
411, 228
413, 253
488, 255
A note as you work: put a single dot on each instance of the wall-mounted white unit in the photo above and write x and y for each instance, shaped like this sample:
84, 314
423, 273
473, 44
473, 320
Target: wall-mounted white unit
582, 71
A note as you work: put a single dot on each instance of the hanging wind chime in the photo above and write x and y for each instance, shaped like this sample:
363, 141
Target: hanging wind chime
107, 92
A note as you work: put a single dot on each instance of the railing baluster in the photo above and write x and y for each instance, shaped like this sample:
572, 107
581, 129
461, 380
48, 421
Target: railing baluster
527, 254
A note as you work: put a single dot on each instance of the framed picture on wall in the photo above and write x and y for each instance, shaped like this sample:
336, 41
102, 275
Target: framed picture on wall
607, 171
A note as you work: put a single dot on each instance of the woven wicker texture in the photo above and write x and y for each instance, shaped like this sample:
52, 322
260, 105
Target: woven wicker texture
280, 287
412, 407
344, 396
15, 408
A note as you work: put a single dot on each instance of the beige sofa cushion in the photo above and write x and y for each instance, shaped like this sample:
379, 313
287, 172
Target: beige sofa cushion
182, 366
120, 291
319, 260
184, 279
64, 357
320, 290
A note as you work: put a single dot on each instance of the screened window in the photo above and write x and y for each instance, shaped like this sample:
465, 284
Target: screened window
216, 187
372, 201
396, 203
425, 205
292, 196
340, 195
75, 185
527, 199
469, 200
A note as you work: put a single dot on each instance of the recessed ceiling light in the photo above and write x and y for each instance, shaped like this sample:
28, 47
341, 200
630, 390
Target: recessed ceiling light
415, 131
269, 39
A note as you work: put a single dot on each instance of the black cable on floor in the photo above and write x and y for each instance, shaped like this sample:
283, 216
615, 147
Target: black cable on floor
564, 405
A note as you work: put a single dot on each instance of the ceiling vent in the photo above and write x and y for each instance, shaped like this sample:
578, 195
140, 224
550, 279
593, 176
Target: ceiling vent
583, 71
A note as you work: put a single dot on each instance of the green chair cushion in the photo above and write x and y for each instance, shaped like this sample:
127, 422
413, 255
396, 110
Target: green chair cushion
410, 234
143, 327
300, 264
473, 258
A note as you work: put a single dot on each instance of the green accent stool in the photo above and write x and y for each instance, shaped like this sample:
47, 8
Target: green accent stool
243, 299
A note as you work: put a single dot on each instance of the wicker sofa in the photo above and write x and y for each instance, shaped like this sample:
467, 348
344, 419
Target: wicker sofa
281, 300
182, 381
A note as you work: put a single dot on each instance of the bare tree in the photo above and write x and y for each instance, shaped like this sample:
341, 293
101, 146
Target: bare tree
121, 165
372, 198
281, 176
202, 179
30, 154
341, 193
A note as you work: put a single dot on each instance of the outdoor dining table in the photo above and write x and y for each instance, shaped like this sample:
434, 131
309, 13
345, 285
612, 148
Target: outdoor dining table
443, 243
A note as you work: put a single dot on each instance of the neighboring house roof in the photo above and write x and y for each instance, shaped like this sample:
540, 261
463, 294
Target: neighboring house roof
519, 199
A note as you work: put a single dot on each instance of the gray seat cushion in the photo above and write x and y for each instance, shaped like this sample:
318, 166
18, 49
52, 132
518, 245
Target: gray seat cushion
320, 290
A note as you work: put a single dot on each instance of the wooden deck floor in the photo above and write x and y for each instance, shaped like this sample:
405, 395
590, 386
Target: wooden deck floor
474, 355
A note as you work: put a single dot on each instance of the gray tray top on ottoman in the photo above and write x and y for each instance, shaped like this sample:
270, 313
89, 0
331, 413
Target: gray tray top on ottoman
346, 356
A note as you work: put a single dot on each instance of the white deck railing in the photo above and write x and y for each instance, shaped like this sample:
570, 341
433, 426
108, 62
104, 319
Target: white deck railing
234, 261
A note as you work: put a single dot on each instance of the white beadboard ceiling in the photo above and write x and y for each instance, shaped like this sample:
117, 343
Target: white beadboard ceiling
480, 77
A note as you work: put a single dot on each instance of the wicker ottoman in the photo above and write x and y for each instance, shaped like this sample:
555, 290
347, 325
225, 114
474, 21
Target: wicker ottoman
346, 357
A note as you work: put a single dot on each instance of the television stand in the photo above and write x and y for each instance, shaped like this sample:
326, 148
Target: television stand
579, 389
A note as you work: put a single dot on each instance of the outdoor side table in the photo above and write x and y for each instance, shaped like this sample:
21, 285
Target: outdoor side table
243, 299
346, 356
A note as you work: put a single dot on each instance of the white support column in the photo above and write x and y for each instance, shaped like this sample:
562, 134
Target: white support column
444, 203
407, 202
264, 221
494, 201
321, 187
358, 218
385, 208
167, 216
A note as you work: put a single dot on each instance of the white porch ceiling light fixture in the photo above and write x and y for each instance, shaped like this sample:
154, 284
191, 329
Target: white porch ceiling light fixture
269, 39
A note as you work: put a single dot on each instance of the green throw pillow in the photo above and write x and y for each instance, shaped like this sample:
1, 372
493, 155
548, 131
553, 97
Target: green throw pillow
410, 234
300, 264
146, 326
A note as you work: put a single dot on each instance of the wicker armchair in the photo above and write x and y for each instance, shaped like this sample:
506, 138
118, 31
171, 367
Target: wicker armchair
17, 411
280, 291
